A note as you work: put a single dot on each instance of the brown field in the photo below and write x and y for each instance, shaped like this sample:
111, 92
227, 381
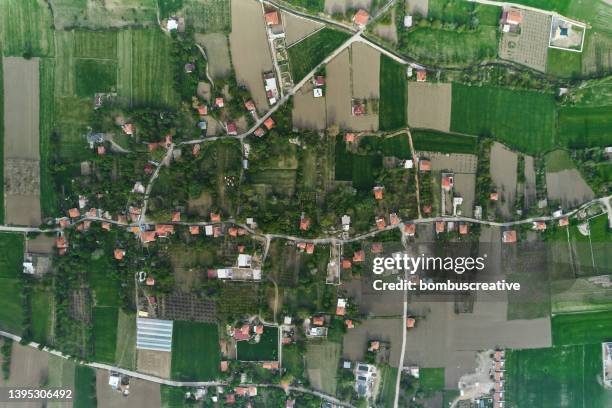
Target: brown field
429, 105
154, 362
200, 205
530, 182
214, 127
455, 162
465, 186
503, 175
250, 50
42, 244
29, 367
21, 141
355, 342
341, 6
365, 63
387, 31
308, 111
418, 6
569, 187
297, 27
217, 52
339, 97
142, 393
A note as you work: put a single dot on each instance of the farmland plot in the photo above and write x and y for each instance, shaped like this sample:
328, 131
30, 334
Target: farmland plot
103, 15
21, 141
429, 105
191, 363
297, 27
342, 6
503, 175
308, 111
26, 28
321, 365
217, 54
29, 367
142, 393
208, 16
365, 65
392, 107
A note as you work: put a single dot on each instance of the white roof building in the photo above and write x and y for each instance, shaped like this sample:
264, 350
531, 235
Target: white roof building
244, 261
407, 21
317, 92
154, 334
172, 24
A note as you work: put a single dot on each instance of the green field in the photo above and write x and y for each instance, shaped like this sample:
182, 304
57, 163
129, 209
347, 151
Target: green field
95, 76
195, 351
42, 311
563, 63
432, 379
105, 333
11, 258
84, 387
125, 355
433, 141
293, 361
386, 395
524, 120
105, 286
172, 397
26, 28
393, 94
1, 139
358, 168
450, 47
265, 350
207, 16
95, 44
555, 377
581, 328
558, 160
585, 126
560, 6
314, 6
322, 361
396, 146
305, 55
48, 194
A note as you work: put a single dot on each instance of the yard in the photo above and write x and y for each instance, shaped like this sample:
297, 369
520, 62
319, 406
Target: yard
582, 328
195, 351
386, 393
105, 333
265, 350
524, 120
308, 53
393, 94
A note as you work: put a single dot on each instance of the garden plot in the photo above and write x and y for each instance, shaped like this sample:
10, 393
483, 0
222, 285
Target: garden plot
342, 6
250, 50
217, 54
429, 105
503, 174
569, 187
142, 393
355, 341
308, 111
339, 97
365, 65
21, 141
296, 27
530, 46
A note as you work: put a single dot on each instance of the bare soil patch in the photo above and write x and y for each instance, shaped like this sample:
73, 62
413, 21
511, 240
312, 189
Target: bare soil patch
365, 64
250, 50
355, 342
418, 6
465, 186
429, 105
142, 393
387, 31
29, 367
21, 141
530, 182
308, 111
154, 362
341, 6
42, 244
503, 174
200, 205
569, 187
217, 52
297, 27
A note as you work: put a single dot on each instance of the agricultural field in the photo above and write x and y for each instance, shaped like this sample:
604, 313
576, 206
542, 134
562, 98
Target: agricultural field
430, 107
523, 120
105, 333
125, 354
217, 54
26, 28
95, 15
307, 54
585, 126
42, 312
432, 379
195, 351
582, 328
553, 377
386, 393
48, 194
11, 258
564, 182
105, 287
564, 64
61, 375
265, 350
142, 393
393, 93
424, 140
2, 139
530, 45
360, 169
308, 111
208, 16
95, 76
322, 361
84, 387
297, 27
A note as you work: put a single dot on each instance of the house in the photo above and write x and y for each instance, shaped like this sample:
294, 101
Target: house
106, 226
410, 322
394, 219
171, 24
224, 366
310, 248
317, 92
365, 378
202, 110
150, 281
163, 230
374, 346
494, 196
407, 21
361, 18
74, 213
219, 102
189, 67
539, 225
378, 192
380, 223
410, 229
304, 223
341, 307
377, 248
319, 80
176, 216
259, 329
147, 236
61, 244
318, 320
101, 150
427, 209
259, 132
290, 403
447, 182
270, 365
231, 128
359, 256
346, 263
512, 16
194, 230
272, 18
440, 226
463, 229
349, 137
424, 165
250, 105
421, 75
269, 123
509, 236
119, 254
346, 222
230, 399
563, 221
128, 129
195, 150
215, 217
349, 324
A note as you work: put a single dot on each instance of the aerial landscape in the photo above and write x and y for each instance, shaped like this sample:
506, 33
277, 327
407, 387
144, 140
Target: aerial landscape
306, 203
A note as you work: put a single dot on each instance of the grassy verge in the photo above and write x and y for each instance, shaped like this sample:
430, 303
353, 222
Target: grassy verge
393, 94
308, 53
443, 142
191, 363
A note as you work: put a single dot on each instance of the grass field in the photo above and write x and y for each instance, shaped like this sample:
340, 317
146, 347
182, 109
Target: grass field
42, 310
523, 120
1, 140
585, 127
125, 355
558, 160
84, 387
195, 351
554, 377
396, 146
265, 350
48, 194
443, 142
105, 287
560, 6
293, 361
563, 64
322, 361
386, 395
393, 94
95, 76
432, 379
95, 44
26, 28
581, 328
307, 54
105, 333
11, 258
207, 16
592, 251
360, 169
172, 397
